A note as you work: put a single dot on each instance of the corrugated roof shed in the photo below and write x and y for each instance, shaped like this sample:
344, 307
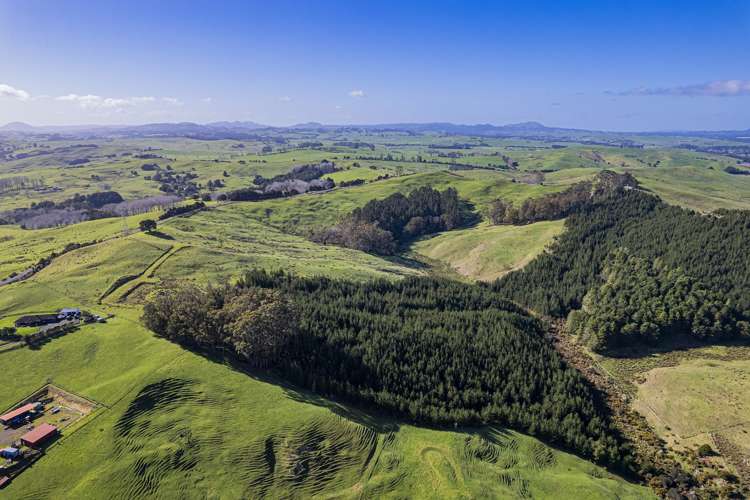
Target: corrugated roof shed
39, 435
16, 413
36, 320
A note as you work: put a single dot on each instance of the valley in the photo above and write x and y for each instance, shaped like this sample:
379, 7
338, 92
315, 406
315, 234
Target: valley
176, 421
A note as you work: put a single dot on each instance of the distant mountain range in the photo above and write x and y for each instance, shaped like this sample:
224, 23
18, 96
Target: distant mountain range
248, 130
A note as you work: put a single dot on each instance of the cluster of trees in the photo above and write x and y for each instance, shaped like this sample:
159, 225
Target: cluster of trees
300, 179
182, 185
147, 225
182, 209
248, 194
560, 205
643, 301
380, 225
353, 182
215, 184
354, 145
82, 208
257, 325
78, 162
142, 205
306, 173
9, 333
736, 171
87, 201
296, 186
19, 182
436, 351
711, 248
48, 213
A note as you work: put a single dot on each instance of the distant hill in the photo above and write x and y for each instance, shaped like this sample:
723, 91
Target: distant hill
238, 125
249, 130
17, 127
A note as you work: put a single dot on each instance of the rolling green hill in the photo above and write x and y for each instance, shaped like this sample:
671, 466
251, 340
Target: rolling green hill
487, 252
171, 423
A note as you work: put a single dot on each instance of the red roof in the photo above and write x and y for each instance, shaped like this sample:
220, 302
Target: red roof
17, 412
41, 433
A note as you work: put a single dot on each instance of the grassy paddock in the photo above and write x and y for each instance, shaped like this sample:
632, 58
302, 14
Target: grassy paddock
487, 252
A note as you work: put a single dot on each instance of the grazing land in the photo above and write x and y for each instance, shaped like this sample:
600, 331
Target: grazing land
486, 253
175, 421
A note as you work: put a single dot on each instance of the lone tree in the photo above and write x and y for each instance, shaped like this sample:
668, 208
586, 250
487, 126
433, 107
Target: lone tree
147, 225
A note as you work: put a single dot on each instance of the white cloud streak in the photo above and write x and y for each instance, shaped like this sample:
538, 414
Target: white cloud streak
172, 101
13, 93
357, 93
96, 102
717, 88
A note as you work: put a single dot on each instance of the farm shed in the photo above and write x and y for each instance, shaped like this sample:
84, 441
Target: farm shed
19, 413
39, 435
36, 320
69, 313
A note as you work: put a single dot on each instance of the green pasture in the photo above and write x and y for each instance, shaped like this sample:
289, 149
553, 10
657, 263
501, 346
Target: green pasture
487, 252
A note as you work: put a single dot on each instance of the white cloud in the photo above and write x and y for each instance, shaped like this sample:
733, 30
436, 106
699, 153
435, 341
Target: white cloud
357, 93
207, 100
717, 88
14, 93
285, 98
173, 101
96, 102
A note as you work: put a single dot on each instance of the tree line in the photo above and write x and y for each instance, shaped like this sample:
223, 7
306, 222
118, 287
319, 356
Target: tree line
436, 351
19, 182
79, 208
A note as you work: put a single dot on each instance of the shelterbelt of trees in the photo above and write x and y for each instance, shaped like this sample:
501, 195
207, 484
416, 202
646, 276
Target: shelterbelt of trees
704, 256
381, 225
436, 351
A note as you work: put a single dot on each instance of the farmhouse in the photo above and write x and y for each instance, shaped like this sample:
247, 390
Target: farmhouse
17, 416
36, 320
39, 435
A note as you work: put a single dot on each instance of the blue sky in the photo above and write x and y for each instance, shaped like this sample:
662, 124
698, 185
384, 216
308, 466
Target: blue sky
625, 65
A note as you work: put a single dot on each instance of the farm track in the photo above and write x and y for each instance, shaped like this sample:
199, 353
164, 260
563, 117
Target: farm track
31, 271
145, 276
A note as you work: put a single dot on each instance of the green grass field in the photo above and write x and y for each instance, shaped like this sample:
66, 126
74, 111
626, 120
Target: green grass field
175, 424
300, 214
713, 397
692, 396
487, 252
